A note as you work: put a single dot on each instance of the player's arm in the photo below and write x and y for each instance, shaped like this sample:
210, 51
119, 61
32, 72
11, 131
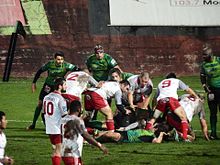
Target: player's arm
92, 141
192, 93
36, 77
159, 138
131, 99
146, 100
204, 128
203, 79
119, 105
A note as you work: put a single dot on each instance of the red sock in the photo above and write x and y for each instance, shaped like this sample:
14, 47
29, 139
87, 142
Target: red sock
148, 126
110, 125
68, 160
90, 130
56, 160
185, 126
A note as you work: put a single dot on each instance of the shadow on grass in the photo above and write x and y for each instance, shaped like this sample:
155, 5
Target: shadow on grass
193, 154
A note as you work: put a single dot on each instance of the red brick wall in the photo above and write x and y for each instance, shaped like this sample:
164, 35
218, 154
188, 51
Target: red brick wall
69, 22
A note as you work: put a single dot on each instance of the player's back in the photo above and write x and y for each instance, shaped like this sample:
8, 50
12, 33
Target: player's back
168, 88
54, 108
76, 83
108, 89
191, 106
75, 144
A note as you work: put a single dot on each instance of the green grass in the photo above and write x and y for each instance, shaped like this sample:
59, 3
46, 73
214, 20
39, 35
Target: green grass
33, 147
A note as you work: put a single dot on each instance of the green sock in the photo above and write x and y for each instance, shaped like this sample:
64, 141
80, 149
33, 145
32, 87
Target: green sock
36, 115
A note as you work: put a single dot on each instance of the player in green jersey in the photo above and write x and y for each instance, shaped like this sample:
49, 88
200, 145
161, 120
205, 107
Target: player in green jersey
100, 63
132, 136
115, 74
55, 68
210, 79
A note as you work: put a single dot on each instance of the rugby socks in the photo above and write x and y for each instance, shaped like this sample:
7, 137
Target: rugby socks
149, 126
110, 125
72, 161
184, 126
36, 115
56, 160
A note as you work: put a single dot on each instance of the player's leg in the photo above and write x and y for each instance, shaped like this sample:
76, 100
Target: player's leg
55, 140
160, 108
37, 113
109, 117
151, 122
184, 123
213, 118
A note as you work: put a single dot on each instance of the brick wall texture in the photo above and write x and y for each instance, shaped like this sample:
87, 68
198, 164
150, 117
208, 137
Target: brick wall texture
70, 25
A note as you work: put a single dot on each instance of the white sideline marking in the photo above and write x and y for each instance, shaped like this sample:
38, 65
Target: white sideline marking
23, 121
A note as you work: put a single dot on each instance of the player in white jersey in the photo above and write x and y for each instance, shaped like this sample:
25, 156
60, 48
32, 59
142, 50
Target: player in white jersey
76, 83
167, 98
192, 107
3, 141
72, 145
96, 99
54, 109
140, 90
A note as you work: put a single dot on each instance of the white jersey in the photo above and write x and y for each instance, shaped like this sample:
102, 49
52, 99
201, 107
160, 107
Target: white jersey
135, 85
192, 107
75, 146
169, 88
54, 108
77, 82
108, 90
3, 143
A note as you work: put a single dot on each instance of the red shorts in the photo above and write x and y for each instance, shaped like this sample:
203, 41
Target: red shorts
69, 98
93, 101
168, 102
55, 139
72, 161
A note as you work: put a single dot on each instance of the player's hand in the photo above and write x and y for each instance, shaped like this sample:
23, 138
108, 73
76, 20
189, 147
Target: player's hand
128, 111
104, 149
206, 88
33, 87
100, 84
8, 160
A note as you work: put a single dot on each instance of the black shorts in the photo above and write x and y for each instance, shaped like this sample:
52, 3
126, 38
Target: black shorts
46, 89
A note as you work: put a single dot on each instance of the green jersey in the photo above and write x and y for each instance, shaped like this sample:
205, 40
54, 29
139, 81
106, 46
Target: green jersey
135, 135
100, 67
54, 71
126, 75
212, 72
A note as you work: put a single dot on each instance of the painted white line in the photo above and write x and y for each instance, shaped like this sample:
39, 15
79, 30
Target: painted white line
23, 121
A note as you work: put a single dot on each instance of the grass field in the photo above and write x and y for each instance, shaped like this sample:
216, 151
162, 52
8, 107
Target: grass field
33, 147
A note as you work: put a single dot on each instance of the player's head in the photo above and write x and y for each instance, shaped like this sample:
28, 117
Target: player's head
170, 75
115, 74
59, 58
144, 78
72, 129
76, 107
3, 121
207, 52
60, 84
125, 85
99, 51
